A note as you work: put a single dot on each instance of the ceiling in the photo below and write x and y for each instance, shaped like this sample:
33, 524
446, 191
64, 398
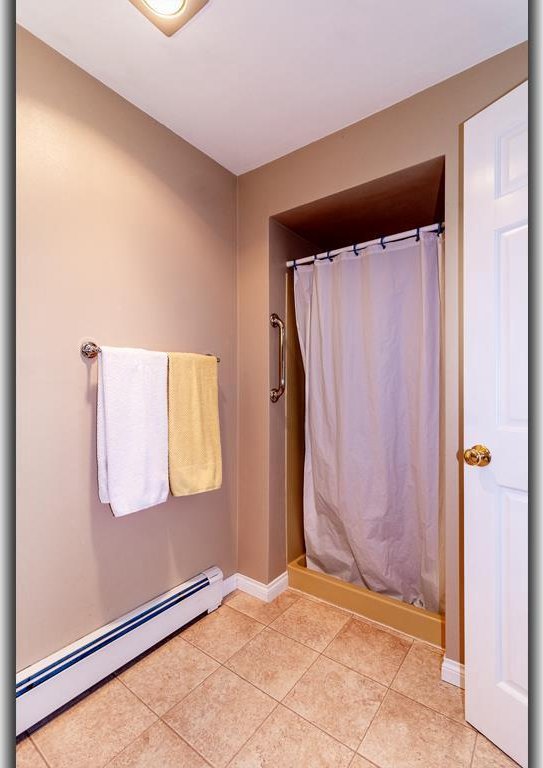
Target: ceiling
247, 81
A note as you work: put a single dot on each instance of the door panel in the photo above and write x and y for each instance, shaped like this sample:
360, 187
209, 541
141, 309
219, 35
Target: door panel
496, 415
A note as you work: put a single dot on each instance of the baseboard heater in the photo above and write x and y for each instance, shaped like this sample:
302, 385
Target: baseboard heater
49, 684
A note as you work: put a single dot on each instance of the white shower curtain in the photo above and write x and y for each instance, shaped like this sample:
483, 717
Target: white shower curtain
369, 330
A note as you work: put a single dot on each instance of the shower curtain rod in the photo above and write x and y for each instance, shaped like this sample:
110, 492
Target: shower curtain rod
439, 228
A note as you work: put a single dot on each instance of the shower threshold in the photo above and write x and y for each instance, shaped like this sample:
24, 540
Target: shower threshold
417, 622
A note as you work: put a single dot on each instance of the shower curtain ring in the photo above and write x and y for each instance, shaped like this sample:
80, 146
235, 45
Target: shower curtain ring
439, 229
383, 246
356, 253
294, 264
330, 258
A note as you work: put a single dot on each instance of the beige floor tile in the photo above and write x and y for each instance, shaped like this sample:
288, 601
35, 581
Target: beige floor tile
311, 623
337, 699
94, 730
287, 741
27, 756
222, 633
272, 662
257, 609
159, 747
487, 755
373, 652
163, 677
420, 679
220, 715
405, 734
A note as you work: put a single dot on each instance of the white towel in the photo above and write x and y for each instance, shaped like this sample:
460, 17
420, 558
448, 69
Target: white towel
132, 429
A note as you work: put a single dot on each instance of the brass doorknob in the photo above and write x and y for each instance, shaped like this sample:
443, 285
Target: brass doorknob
477, 456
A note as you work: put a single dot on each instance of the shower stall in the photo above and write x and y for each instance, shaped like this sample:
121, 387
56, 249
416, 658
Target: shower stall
364, 401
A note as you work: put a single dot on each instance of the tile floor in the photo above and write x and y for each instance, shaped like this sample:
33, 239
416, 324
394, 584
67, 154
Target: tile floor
288, 684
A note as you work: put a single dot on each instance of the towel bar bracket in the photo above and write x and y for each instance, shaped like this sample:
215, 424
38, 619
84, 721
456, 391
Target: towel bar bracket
90, 350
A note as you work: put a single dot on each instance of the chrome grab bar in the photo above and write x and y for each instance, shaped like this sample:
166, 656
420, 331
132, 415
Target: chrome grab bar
276, 392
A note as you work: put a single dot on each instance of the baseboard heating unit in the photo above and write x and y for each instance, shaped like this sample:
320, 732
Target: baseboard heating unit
47, 685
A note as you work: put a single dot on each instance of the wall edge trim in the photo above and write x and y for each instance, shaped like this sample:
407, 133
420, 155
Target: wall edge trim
265, 592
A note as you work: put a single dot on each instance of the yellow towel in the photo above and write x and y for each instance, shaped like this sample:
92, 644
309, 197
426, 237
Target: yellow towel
194, 441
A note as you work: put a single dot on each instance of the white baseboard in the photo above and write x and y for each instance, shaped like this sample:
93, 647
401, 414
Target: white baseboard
453, 672
265, 592
229, 584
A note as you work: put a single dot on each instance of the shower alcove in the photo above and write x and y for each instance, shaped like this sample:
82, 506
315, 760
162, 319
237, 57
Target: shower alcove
401, 201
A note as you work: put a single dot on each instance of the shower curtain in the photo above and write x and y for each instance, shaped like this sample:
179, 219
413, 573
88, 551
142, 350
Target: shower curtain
369, 331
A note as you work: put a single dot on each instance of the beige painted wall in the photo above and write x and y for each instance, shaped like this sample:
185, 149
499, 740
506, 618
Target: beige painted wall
126, 235
424, 126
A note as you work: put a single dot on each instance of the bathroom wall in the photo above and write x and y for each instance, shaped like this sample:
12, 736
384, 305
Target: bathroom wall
285, 424
126, 235
424, 126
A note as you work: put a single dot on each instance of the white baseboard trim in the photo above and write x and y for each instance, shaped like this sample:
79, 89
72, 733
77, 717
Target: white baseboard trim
229, 584
453, 672
265, 592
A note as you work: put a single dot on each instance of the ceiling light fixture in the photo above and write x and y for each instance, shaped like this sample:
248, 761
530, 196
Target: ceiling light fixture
169, 15
166, 7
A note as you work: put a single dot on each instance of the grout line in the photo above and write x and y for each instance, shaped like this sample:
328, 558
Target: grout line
320, 652
358, 752
362, 674
161, 717
464, 725
318, 727
369, 762
280, 634
388, 688
277, 704
464, 722
473, 751
399, 668
40, 753
300, 678
185, 742
139, 699
117, 754
226, 605
248, 616
218, 661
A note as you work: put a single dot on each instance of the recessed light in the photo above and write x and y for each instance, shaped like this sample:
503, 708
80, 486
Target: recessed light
169, 15
166, 7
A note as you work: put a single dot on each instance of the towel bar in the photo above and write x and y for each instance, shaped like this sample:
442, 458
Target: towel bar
90, 350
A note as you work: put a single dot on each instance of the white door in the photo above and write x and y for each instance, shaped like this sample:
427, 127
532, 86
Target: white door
496, 416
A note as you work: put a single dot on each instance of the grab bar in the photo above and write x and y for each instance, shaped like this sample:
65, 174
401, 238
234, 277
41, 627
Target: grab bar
276, 392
